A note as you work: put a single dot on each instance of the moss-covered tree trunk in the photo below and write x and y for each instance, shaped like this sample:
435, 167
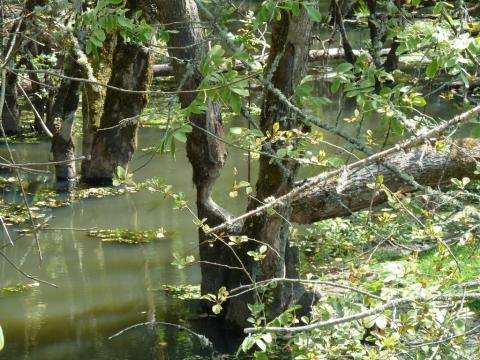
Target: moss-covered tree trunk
63, 114
206, 153
287, 64
93, 97
115, 140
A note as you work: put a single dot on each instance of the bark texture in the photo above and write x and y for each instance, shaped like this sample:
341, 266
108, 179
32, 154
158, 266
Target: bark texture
63, 113
93, 97
286, 66
427, 166
206, 154
11, 111
116, 139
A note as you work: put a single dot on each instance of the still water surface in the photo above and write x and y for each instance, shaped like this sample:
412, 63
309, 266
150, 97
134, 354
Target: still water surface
103, 288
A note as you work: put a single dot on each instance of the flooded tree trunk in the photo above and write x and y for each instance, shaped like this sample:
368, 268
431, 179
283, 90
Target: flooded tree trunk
93, 97
287, 65
206, 153
63, 113
116, 139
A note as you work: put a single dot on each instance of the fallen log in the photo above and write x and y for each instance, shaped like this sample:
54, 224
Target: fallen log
427, 166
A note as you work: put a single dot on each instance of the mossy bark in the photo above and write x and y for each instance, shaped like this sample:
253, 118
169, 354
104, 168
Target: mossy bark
116, 139
93, 97
63, 113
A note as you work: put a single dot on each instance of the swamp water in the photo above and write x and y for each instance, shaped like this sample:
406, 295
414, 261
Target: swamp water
104, 288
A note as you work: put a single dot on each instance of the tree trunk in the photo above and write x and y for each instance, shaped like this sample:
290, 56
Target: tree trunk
11, 111
206, 154
287, 63
64, 112
116, 139
93, 97
427, 166
347, 48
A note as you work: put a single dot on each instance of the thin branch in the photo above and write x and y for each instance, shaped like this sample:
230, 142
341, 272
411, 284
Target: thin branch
24, 273
37, 115
362, 315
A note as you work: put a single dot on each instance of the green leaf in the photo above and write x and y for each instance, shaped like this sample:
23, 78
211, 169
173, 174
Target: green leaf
397, 126
235, 103
313, 13
95, 42
419, 101
124, 22
432, 69
99, 34
180, 136
240, 91
2, 339
261, 344
381, 322
88, 48
217, 309
335, 85
344, 67
236, 130
475, 132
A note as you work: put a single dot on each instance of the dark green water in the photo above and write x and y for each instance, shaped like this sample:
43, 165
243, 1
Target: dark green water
103, 288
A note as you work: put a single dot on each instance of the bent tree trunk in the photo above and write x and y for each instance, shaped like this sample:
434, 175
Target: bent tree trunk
287, 65
116, 139
206, 154
63, 113
427, 166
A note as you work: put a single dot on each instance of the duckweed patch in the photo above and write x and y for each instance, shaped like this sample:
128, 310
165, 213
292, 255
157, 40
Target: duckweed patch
129, 237
14, 214
102, 192
17, 288
182, 292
